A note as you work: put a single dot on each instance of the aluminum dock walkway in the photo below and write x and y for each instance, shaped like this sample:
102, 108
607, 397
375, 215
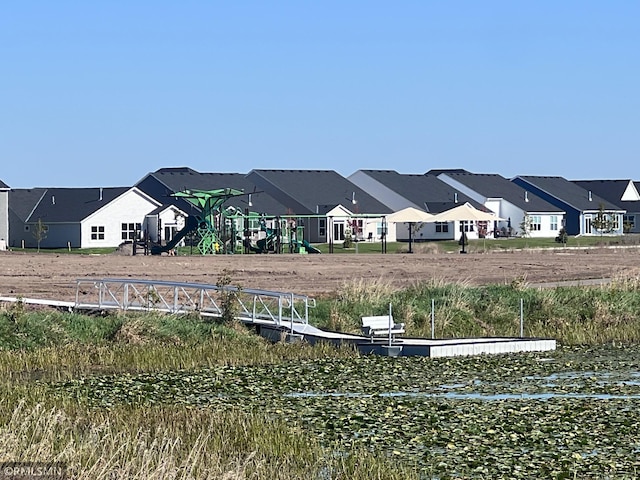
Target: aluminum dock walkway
274, 315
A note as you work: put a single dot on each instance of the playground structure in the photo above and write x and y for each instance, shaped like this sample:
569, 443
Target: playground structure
228, 230
284, 233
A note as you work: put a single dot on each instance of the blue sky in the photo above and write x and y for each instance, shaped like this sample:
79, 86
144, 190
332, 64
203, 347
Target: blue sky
97, 93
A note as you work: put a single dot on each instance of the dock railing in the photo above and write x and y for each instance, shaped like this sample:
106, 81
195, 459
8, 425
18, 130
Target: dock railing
248, 305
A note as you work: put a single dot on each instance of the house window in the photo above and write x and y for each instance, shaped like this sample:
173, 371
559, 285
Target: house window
380, 230
587, 223
483, 227
536, 223
129, 230
629, 222
554, 223
466, 226
97, 232
442, 227
358, 228
322, 227
615, 221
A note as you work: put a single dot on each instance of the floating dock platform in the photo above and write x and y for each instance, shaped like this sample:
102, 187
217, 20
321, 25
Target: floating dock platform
409, 346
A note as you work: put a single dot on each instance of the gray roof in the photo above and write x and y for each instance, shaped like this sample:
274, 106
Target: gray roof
426, 191
569, 193
438, 171
165, 181
3, 185
492, 185
22, 201
305, 192
60, 205
612, 191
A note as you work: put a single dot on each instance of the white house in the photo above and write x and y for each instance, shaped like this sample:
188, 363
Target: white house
77, 217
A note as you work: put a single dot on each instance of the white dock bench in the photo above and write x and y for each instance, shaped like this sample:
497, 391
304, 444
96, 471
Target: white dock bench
378, 326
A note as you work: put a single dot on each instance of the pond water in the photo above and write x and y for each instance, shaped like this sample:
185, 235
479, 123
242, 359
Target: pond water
573, 413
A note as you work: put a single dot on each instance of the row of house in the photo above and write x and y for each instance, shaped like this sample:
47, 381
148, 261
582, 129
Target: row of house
326, 206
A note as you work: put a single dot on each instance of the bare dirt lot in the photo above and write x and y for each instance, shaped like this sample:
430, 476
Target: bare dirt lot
53, 276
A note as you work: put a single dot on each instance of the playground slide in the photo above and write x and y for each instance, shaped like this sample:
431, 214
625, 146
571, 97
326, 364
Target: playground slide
190, 225
310, 248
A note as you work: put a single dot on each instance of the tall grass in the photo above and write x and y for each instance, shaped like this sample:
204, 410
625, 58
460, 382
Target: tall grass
572, 315
177, 443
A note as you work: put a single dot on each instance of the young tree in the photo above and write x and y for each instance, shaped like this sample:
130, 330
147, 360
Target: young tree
525, 226
39, 232
602, 222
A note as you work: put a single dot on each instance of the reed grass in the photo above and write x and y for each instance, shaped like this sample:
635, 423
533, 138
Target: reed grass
572, 315
177, 443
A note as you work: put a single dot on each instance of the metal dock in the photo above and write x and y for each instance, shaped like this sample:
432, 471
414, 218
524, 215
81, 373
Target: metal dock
275, 315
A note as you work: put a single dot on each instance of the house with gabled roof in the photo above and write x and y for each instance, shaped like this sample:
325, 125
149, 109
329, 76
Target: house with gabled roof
425, 192
525, 212
623, 193
581, 206
76, 217
4, 215
327, 203
164, 182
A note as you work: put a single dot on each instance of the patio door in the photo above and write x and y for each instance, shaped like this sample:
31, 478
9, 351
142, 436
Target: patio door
587, 223
338, 231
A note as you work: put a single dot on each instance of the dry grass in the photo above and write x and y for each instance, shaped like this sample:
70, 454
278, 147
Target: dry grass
175, 443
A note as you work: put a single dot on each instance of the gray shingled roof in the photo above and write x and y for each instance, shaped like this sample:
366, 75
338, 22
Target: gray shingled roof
58, 205
22, 201
304, 192
568, 192
491, 185
425, 191
165, 181
3, 185
610, 190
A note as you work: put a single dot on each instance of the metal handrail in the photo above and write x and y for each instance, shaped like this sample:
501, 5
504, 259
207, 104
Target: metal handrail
254, 305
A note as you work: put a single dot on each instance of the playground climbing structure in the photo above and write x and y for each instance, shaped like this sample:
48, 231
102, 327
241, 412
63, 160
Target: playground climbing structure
207, 223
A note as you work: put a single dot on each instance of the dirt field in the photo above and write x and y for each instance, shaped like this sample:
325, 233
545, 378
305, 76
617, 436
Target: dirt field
53, 276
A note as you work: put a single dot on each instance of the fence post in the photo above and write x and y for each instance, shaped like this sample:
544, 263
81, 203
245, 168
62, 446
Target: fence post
390, 323
433, 323
291, 313
521, 318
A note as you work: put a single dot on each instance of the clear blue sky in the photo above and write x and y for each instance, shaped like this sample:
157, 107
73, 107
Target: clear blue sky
99, 93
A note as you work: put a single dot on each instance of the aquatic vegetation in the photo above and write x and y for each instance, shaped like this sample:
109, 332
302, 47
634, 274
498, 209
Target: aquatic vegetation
565, 413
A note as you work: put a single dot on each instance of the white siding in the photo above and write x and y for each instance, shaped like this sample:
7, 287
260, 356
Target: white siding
130, 207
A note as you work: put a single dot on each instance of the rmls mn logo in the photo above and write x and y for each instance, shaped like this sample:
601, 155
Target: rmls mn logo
33, 471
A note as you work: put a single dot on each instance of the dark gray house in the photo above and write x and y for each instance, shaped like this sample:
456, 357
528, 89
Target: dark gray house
581, 205
623, 193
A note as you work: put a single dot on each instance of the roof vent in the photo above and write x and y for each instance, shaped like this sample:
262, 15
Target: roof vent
526, 196
590, 196
100, 194
455, 197
53, 200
